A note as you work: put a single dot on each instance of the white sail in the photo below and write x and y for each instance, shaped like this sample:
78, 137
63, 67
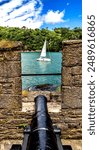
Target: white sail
43, 52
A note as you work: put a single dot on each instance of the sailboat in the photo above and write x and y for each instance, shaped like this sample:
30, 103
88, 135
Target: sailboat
43, 54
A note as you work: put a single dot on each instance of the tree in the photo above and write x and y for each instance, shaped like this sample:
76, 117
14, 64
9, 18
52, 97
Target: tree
34, 39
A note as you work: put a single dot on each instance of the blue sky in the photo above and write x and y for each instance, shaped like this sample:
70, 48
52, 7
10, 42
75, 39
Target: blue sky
41, 13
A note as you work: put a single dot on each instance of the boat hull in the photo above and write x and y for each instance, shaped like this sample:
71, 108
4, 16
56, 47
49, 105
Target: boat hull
43, 59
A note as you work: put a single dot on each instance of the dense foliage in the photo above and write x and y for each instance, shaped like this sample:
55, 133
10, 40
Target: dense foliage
34, 39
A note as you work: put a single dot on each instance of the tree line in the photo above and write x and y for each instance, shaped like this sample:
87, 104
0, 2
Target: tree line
33, 39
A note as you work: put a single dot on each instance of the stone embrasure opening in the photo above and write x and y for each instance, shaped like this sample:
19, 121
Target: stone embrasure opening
31, 87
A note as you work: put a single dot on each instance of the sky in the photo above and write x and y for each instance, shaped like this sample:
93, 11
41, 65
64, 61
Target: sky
41, 13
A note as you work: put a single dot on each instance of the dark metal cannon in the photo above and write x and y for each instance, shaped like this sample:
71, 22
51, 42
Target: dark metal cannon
41, 135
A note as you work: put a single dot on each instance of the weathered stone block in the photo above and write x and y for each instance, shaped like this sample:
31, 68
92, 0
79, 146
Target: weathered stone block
73, 112
3, 80
70, 77
76, 70
0, 88
72, 59
71, 42
75, 144
52, 107
12, 69
67, 78
11, 85
1, 57
71, 97
1, 69
6, 144
10, 102
17, 85
12, 56
55, 96
72, 134
8, 88
77, 80
72, 53
33, 94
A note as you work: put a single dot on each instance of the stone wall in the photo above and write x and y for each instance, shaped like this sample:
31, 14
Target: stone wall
16, 111
72, 88
72, 74
10, 80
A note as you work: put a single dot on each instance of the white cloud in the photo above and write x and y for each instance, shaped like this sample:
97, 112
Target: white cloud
17, 14
7, 7
22, 16
54, 17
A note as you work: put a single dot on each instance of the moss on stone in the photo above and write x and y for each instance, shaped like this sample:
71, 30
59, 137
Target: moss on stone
22, 125
7, 44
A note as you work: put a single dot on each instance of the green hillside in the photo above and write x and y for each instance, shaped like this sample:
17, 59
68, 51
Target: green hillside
34, 39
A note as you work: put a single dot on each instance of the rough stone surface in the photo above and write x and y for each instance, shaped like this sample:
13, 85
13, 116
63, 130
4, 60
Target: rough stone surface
12, 68
72, 96
53, 101
1, 68
75, 144
52, 107
72, 89
10, 80
6, 145
8, 101
72, 53
12, 56
51, 96
12, 123
72, 74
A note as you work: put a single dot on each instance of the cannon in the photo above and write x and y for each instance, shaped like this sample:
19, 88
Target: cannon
41, 134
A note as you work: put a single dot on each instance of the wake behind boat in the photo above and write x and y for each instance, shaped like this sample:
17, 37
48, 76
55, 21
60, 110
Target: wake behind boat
43, 54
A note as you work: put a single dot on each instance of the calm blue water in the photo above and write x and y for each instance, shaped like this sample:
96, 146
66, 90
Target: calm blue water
31, 66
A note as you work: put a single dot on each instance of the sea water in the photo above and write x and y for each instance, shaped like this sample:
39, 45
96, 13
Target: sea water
37, 72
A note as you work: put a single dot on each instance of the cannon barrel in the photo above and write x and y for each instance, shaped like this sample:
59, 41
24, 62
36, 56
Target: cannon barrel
42, 136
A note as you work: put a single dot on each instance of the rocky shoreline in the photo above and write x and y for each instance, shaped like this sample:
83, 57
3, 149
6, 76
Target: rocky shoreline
44, 87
